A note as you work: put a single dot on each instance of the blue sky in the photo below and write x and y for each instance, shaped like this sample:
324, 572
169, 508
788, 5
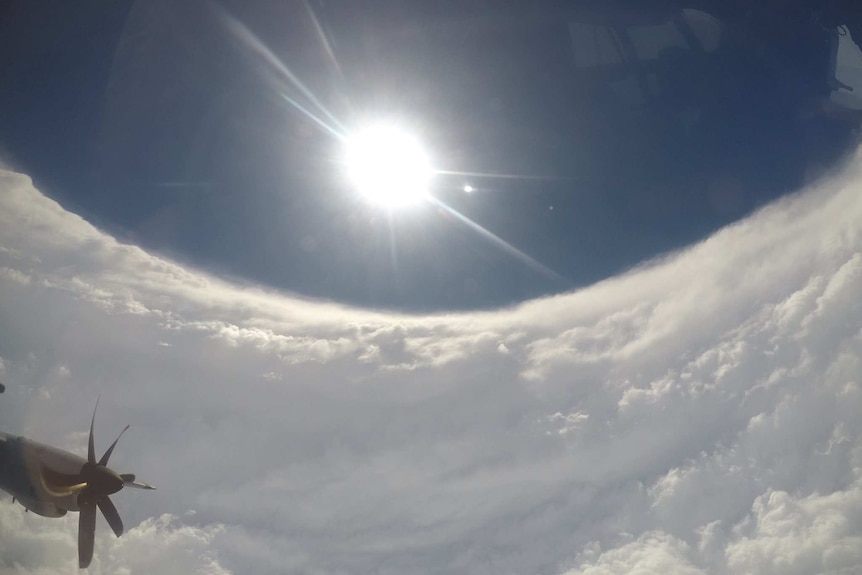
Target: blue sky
317, 386
206, 132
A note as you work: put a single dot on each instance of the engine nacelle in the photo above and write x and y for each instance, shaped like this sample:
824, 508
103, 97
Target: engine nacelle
43, 508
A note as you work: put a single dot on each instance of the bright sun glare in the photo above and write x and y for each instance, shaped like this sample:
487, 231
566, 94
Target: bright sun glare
388, 166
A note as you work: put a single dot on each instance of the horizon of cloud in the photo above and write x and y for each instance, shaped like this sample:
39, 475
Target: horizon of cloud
697, 414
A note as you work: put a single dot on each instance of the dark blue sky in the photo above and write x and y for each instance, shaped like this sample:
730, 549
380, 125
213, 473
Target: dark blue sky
184, 127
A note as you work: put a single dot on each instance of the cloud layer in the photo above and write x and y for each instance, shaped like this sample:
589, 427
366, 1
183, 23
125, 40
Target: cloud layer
697, 415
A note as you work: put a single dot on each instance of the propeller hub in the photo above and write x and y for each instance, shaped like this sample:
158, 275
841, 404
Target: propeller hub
101, 480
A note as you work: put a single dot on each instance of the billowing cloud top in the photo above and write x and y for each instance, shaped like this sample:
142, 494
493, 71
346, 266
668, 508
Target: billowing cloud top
700, 414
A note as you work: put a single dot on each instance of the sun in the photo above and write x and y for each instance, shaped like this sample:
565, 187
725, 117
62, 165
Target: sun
388, 166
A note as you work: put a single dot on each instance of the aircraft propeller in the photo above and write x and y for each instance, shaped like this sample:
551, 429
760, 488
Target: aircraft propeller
95, 482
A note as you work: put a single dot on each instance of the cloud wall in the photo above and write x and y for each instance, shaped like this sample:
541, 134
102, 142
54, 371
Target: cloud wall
699, 414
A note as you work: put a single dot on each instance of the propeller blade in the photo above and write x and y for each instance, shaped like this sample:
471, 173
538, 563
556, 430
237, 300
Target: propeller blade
106, 506
107, 455
91, 450
129, 481
86, 531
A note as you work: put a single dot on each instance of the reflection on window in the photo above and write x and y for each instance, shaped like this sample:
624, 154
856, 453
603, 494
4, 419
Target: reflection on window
848, 72
594, 45
649, 42
629, 59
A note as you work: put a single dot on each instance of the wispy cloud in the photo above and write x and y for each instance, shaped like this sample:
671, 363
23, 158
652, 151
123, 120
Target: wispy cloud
696, 415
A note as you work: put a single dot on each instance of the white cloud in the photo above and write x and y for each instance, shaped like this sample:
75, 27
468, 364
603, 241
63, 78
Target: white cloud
654, 553
696, 415
33, 545
798, 535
